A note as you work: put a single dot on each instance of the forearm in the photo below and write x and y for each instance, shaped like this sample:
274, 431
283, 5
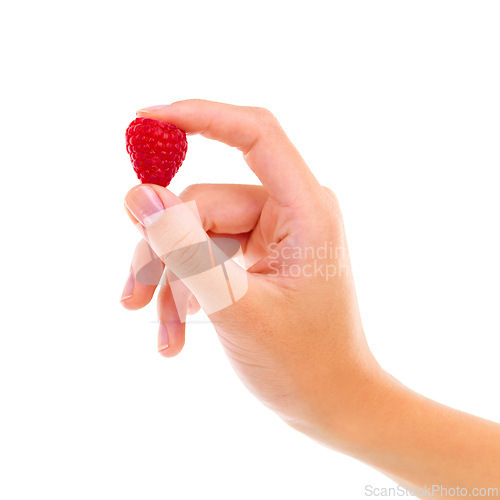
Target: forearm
424, 443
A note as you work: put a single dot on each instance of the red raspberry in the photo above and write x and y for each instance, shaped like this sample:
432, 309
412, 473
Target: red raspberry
157, 150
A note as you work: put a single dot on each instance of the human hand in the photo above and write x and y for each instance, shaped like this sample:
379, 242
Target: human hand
295, 337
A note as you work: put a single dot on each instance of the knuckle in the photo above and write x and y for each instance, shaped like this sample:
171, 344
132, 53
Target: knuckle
186, 256
332, 203
331, 194
265, 116
189, 258
191, 192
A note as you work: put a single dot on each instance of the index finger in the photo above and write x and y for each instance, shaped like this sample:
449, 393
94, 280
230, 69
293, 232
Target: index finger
254, 131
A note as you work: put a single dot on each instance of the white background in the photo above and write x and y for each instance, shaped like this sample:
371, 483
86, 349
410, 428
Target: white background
395, 106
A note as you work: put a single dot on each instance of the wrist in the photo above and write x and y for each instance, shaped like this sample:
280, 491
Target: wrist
367, 412
350, 410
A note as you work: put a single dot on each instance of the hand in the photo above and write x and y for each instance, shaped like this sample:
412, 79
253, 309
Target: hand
295, 338
292, 329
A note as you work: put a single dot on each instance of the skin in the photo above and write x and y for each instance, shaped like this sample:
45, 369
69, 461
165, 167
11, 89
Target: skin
296, 339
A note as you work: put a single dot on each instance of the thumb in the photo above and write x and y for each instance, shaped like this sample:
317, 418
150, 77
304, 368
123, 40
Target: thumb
174, 231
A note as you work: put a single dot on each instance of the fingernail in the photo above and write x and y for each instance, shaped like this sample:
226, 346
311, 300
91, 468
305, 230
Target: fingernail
163, 338
144, 204
151, 109
128, 288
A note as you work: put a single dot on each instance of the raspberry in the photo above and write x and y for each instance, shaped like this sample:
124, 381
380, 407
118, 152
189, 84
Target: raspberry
157, 150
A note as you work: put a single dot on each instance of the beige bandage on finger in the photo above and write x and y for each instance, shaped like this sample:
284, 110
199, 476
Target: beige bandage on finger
202, 264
